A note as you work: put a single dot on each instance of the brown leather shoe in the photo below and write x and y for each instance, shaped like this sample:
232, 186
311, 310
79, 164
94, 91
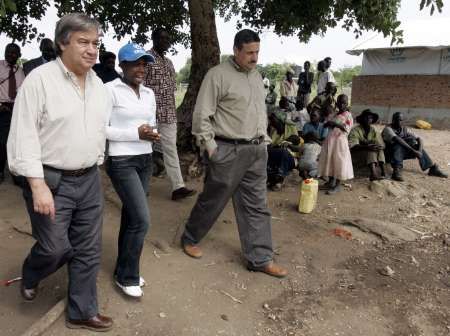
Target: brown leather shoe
270, 269
96, 323
29, 294
192, 250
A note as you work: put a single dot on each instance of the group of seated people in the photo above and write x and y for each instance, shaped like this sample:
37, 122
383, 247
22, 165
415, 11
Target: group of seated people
320, 141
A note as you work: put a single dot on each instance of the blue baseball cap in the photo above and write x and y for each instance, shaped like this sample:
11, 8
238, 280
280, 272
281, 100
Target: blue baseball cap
131, 52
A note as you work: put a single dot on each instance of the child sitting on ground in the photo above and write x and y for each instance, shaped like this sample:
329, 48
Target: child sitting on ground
315, 126
309, 155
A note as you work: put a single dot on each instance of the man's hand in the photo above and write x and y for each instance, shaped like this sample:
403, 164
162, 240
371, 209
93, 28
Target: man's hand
374, 147
211, 152
148, 133
43, 202
418, 154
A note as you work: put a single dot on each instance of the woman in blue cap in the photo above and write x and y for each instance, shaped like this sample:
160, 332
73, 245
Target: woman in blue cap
130, 134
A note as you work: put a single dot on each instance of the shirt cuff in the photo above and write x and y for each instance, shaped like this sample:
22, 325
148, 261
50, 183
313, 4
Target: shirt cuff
28, 170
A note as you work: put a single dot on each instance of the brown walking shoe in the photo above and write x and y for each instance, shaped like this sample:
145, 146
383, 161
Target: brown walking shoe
192, 251
270, 269
96, 323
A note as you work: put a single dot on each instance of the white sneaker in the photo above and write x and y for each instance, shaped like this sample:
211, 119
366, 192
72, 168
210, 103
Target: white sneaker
134, 291
142, 282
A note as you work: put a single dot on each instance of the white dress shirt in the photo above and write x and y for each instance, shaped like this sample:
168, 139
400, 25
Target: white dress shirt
324, 78
128, 113
55, 123
4, 80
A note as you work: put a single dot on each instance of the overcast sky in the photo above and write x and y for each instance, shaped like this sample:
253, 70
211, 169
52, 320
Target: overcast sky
274, 49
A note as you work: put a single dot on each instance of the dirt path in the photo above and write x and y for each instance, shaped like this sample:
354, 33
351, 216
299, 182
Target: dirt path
334, 288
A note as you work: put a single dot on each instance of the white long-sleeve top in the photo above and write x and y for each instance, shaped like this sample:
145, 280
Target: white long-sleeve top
128, 113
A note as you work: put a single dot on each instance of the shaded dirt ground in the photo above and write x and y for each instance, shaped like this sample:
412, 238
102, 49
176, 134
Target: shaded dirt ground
335, 286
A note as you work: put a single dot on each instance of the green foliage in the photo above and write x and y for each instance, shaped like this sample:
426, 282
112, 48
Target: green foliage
123, 17
285, 17
307, 18
15, 18
185, 72
345, 75
275, 72
7, 5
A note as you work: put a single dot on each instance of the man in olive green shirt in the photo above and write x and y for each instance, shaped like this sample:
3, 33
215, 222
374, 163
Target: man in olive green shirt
366, 144
230, 124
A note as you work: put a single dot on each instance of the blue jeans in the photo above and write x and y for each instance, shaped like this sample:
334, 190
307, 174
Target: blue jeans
280, 162
397, 153
130, 177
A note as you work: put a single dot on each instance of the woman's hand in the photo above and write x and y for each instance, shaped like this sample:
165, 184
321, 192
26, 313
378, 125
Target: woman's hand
148, 133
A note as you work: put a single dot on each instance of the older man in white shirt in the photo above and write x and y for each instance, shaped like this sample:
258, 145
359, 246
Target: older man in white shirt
57, 139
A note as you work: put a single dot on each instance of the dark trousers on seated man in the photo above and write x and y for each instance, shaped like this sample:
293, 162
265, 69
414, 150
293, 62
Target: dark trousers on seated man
236, 171
366, 157
74, 237
397, 154
280, 163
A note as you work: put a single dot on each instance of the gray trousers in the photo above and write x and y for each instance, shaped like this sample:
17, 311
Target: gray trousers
168, 133
238, 172
73, 238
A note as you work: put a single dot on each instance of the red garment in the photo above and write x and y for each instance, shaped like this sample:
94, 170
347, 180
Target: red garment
12, 87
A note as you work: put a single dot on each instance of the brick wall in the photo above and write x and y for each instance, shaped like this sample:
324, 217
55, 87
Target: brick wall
412, 91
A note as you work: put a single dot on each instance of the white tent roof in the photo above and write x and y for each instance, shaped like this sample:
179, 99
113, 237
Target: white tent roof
431, 33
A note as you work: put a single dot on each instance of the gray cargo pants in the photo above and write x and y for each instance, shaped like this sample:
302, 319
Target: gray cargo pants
73, 238
240, 172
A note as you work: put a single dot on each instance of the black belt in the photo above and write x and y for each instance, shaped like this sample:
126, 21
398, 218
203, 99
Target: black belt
254, 141
76, 172
9, 105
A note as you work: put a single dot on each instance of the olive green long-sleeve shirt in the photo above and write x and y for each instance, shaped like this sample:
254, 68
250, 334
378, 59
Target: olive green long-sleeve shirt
230, 104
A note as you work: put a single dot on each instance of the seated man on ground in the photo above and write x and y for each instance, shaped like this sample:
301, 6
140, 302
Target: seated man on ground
309, 156
283, 150
315, 126
284, 109
403, 144
366, 144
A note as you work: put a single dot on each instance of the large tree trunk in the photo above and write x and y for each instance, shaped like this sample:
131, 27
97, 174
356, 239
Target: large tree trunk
205, 54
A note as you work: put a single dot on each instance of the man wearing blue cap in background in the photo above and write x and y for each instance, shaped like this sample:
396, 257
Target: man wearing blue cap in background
131, 132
